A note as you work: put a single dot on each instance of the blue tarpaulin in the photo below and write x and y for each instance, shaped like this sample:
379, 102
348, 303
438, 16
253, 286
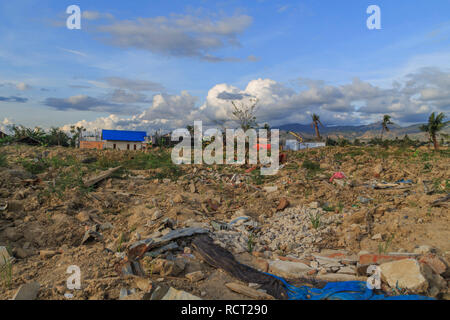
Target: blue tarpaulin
347, 290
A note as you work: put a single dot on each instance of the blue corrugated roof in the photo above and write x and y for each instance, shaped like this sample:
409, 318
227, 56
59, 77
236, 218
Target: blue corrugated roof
122, 135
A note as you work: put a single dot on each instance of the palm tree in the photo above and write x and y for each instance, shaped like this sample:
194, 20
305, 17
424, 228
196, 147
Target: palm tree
384, 124
434, 125
315, 124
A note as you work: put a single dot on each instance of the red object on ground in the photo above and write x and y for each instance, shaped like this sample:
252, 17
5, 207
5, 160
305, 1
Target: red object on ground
337, 175
260, 146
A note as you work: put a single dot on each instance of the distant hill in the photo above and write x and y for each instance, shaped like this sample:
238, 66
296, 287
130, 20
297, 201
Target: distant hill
362, 132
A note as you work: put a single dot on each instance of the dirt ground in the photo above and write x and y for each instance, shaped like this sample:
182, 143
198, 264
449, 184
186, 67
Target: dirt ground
47, 210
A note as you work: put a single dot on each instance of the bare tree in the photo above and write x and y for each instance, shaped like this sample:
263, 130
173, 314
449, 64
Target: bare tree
244, 113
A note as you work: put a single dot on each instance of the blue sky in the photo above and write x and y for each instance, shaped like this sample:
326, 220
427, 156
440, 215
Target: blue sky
151, 64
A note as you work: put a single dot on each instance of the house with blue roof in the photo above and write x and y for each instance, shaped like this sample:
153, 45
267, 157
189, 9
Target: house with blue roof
124, 140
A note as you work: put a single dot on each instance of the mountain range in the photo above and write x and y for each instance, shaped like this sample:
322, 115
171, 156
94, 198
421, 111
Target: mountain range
361, 132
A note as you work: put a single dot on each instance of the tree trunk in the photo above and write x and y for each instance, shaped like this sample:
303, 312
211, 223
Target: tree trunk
435, 142
317, 131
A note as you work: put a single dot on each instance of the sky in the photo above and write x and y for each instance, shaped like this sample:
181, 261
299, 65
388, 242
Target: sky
153, 65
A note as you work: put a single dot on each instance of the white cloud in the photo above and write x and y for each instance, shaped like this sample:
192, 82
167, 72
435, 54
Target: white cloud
22, 86
408, 100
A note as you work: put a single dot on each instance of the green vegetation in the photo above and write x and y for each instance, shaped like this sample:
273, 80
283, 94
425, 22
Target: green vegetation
316, 220
3, 160
6, 273
435, 124
34, 166
251, 243
383, 247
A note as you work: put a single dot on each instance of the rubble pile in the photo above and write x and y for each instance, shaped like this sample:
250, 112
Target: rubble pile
128, 221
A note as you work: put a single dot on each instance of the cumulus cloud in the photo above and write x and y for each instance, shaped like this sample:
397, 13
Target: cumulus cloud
178, 35
410, 100
5, 125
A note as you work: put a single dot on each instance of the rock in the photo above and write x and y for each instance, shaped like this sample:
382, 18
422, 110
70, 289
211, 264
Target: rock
337, 277
13, 234
178, 198
143, 284
168, 268
195, 276
434, 262
378, 236
378, 169
28, 291
174, 294
106, 226
83, 216
347, 270
45, 254
270, 189
15, 206
284, 203
156, 215
423, 249
288, 269
314, 205
406, 274
4, 256
159, 292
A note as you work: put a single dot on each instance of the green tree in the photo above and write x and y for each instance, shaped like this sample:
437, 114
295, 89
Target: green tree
384, 125
315, 124
434, 125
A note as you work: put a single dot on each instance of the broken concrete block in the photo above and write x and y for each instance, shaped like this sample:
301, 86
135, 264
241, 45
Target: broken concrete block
4, 256
288, 269
28, 291
174, 294
404, 274
435, 263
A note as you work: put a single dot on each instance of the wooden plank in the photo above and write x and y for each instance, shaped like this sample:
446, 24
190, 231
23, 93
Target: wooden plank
102, 176
249, 292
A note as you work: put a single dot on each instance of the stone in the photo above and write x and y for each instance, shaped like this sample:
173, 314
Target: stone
28, 291
337, 277
434, 262
174, 294
12, 234
270, 189
83, 216
4, 256
262, 265
143, 284
347, 270
406, 274
423, 249
314, 205
167, 267
195, 276
45, 254
178, 198
156, 215
378, 169
288, 269
378, 236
